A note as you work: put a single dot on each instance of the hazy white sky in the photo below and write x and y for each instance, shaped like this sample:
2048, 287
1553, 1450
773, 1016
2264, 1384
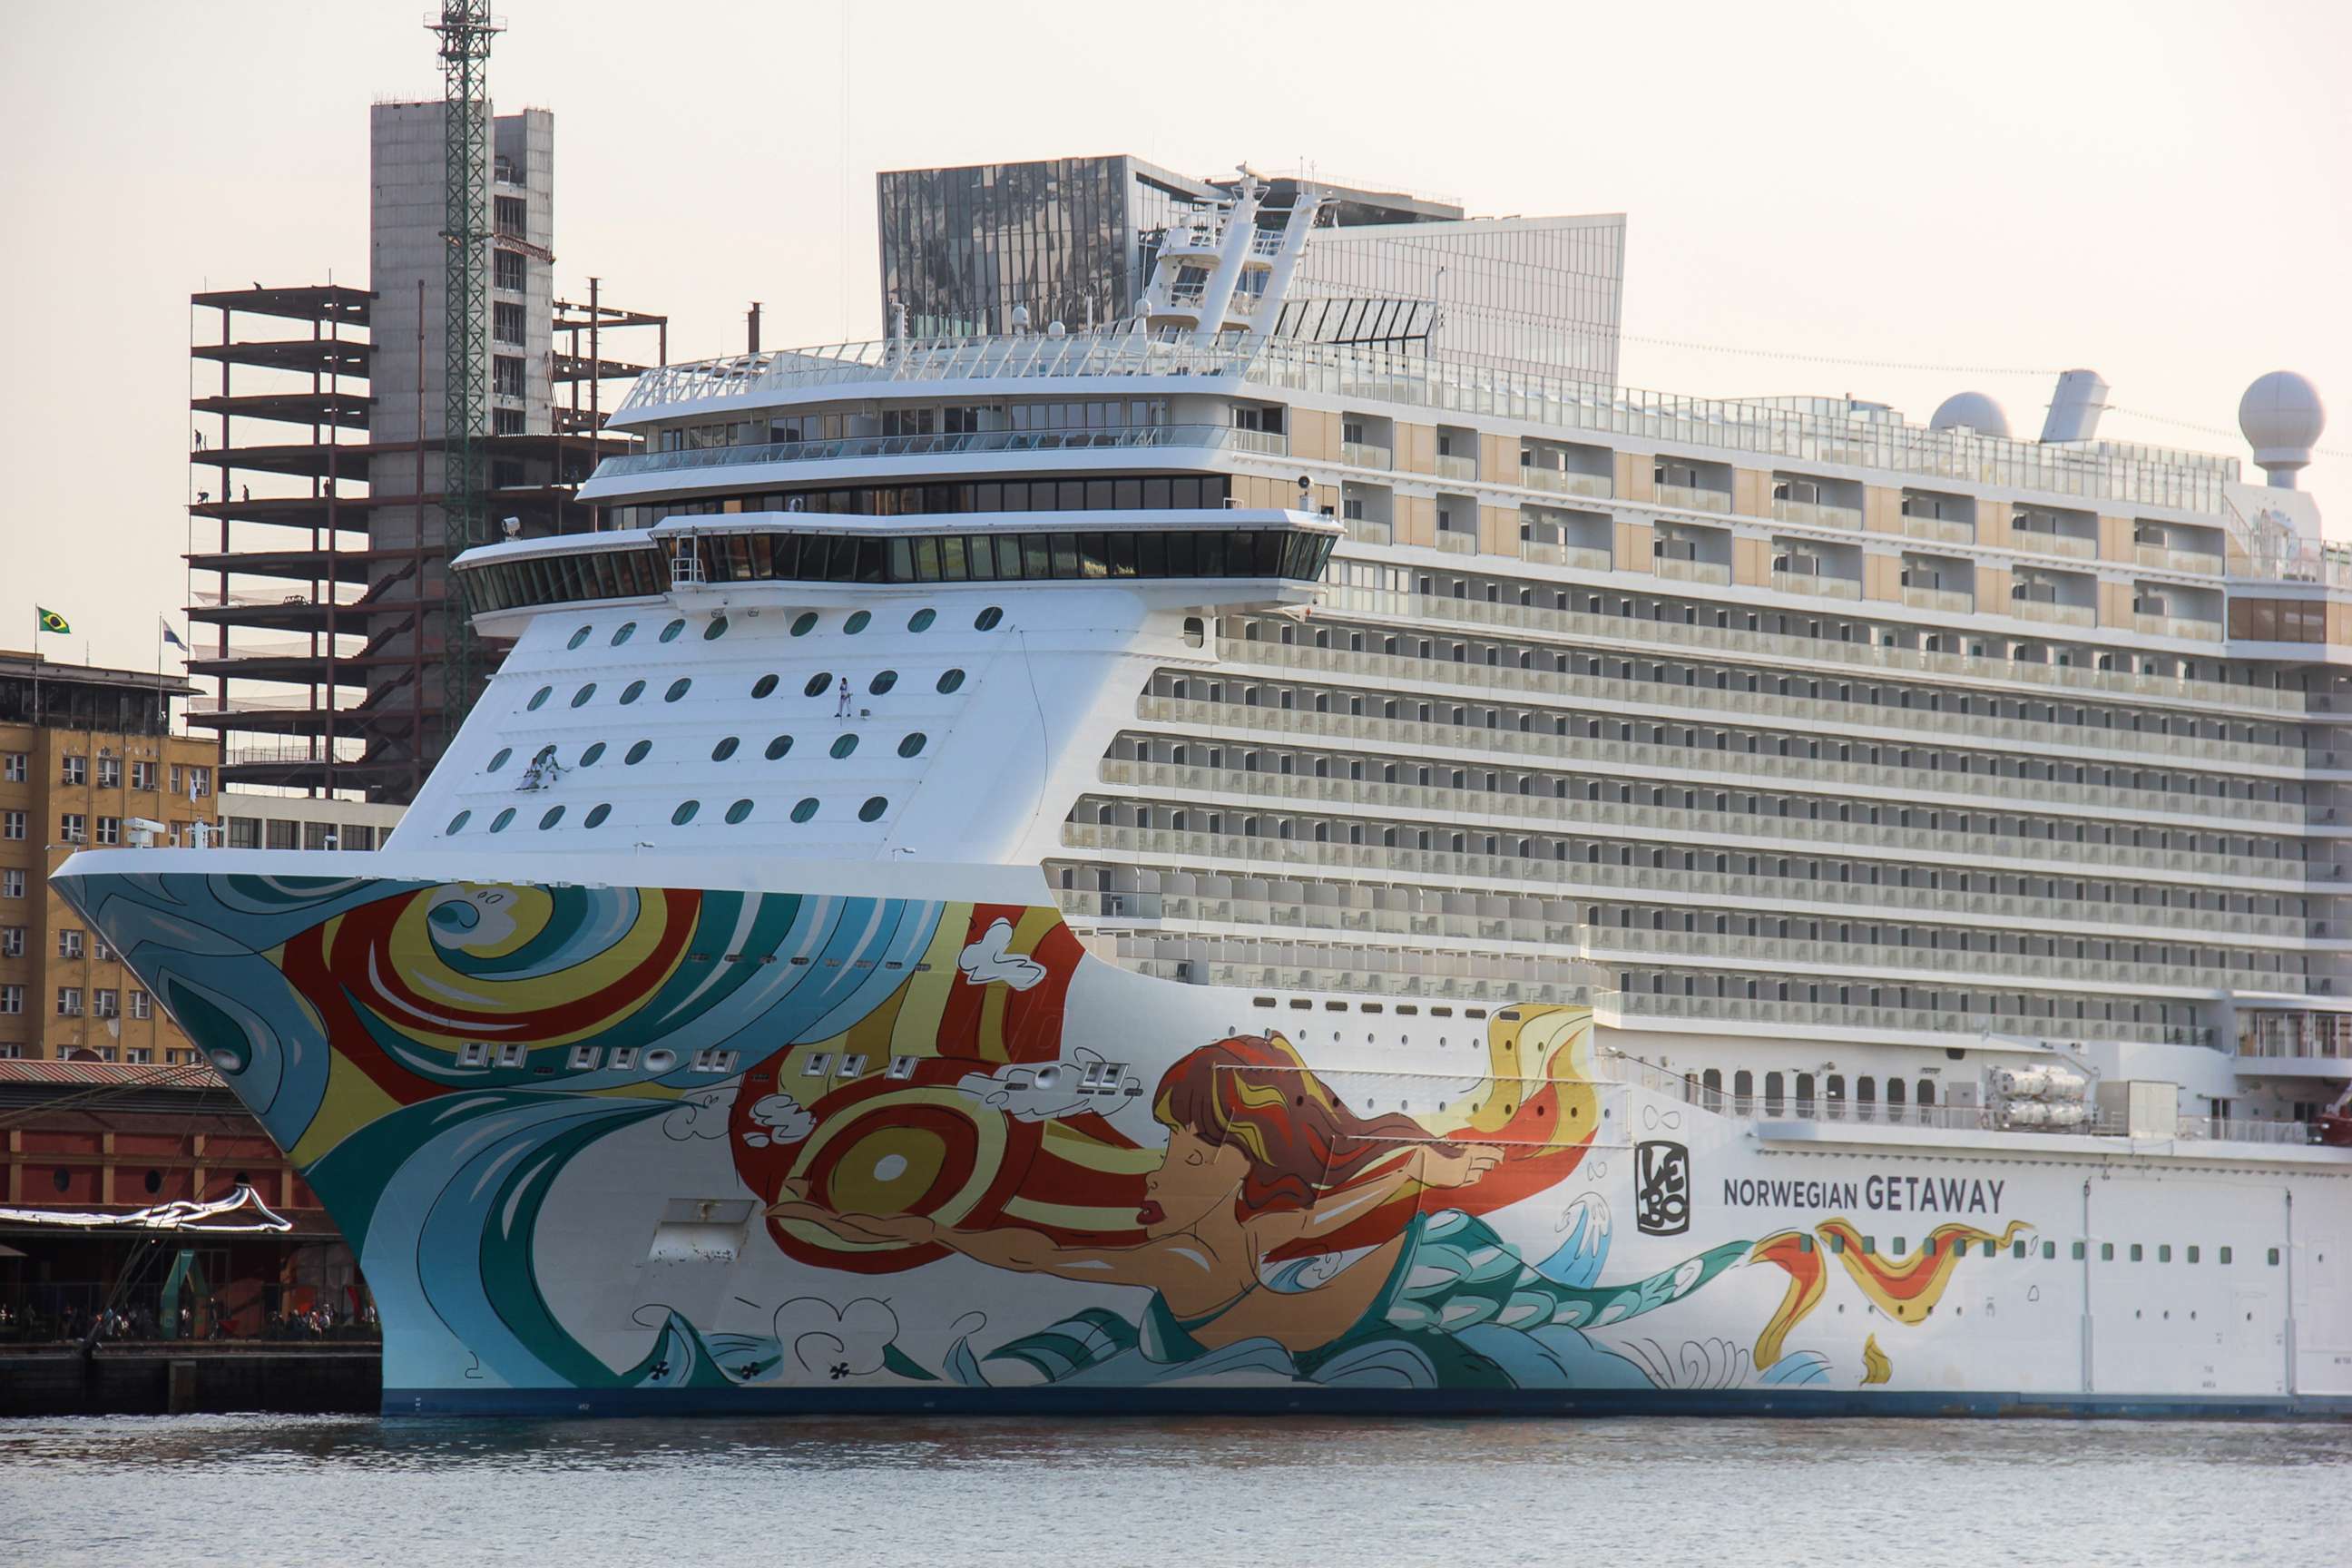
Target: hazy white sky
2160, 190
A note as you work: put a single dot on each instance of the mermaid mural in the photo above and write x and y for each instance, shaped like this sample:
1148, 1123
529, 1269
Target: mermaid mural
1284, 1234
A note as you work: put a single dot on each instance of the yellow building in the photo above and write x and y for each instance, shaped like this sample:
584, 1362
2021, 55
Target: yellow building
86, 758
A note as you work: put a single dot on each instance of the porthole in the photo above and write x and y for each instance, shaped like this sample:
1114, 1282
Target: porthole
951, 681
738, 811
500, 760
627, 630
845, 745
669, 633
873, 809
921, 621
498, 823
579, 636
715, 629
580, 699
588, 758
805, 809
538, 697
986, 620
659, 1060
684, 812
882, 682
912, 744
637, 753
803, 623
457, 823
554, 815
817, 683
678, 689
630, 693
762, 686
858, 621
596, 816
779, 746
724, 749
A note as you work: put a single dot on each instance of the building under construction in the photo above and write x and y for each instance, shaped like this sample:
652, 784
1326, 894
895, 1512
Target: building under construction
328, 493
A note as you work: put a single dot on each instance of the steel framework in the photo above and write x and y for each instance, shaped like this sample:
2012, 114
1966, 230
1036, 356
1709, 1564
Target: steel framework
466, 30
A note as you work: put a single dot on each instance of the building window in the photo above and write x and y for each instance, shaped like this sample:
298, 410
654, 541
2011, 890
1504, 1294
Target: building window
200, 782
143, 775
11, 884
506, 375
14, 767
12, 942
175, 778
139, 1055
100, 951
319, 836
141, 1005
110, 772
506, 422
283, 835
12, 825
69, 941
509, 212
507, 273
506, 322
69, 1001
12, 1000
106, 1004
109, 830
73, 827
75, 770
244, 833
358, 838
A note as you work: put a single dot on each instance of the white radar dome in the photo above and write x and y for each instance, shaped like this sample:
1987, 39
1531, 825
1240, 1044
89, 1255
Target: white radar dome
1970, 411
2281, 418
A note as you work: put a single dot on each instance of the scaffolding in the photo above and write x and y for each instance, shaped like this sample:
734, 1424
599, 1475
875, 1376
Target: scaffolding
324, 648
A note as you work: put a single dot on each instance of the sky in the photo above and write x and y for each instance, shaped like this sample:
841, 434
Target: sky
1890, 200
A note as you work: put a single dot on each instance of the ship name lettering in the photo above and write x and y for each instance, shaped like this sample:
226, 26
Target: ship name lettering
1884, 1195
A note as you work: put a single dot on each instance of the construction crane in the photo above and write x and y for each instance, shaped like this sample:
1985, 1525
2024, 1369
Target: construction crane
466, 29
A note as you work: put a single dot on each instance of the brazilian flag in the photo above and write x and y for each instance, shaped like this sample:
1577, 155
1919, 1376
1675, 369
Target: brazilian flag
51, 621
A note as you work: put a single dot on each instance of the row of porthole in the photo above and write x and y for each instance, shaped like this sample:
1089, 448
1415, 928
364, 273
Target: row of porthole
949, 680
910, 744
871, 811
802, 624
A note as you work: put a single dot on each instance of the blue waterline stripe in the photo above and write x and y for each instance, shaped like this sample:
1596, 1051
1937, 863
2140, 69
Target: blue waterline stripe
1076, 1402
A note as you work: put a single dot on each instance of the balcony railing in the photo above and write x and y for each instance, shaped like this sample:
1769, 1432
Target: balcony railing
1814, 514
1583, 556
1565, 482
1687, 571
1457, 542
2186, 627
1364, 455
1956, 601
1693, 498
1818, 585
1944, 529
1365, 531
1129, 437
1451, 467
2048, 610
2034, 539
2176, 560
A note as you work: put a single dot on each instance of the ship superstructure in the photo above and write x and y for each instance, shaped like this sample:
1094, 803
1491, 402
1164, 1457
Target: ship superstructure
1222, 861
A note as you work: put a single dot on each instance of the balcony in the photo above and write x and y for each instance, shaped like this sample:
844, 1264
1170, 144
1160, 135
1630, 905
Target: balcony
1267, 443
1693, 498
1951, 600
1365, 531
1813, 514
1364, 455
1451, 467
1942, 530
1816, 585
2167, 558
2057, 614
1684, 571
2045, 543
2176, 627
1563, 482
1557, 553
1457, 542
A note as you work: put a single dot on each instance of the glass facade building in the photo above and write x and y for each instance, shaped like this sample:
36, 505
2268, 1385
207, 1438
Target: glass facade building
1069, 237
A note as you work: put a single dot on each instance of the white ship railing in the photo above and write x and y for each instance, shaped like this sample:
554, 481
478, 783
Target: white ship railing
2103, 470
958, 444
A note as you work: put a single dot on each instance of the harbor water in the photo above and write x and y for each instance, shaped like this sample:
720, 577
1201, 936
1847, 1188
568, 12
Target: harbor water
912, 1494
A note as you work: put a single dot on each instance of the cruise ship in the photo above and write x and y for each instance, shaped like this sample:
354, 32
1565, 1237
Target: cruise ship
1203, 862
